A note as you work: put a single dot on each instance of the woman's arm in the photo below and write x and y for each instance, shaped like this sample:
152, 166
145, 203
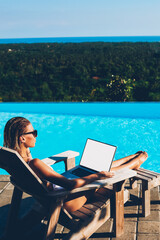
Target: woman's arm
45, 172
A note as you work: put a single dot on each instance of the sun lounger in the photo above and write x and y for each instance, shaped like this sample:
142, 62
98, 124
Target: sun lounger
91, 216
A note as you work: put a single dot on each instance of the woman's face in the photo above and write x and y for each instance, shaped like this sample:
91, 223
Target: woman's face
30, 140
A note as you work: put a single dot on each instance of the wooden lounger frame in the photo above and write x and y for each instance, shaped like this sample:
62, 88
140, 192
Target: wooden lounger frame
25, 180
149, 180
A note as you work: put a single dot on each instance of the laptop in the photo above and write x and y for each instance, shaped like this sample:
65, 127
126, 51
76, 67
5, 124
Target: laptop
97, 156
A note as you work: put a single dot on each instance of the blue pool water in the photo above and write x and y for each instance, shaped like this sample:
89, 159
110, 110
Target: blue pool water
58, 132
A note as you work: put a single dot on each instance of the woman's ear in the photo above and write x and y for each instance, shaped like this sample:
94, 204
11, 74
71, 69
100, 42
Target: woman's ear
22, 139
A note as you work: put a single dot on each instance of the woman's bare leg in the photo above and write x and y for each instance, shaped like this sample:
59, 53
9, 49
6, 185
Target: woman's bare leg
133, 163
75, 204
121, 161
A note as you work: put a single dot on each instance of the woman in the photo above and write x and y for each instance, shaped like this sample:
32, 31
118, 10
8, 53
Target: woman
20, 135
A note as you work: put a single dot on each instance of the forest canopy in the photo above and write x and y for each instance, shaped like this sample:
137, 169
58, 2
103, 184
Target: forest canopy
80, 72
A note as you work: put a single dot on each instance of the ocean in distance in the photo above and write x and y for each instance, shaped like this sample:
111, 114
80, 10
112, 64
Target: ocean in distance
82, 39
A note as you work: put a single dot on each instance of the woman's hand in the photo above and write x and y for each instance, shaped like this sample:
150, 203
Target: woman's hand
105, 174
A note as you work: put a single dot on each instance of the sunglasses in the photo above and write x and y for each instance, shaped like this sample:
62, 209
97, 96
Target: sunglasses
35, 133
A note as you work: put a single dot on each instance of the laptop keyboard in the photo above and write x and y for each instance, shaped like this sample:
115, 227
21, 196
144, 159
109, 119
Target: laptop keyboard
80, 172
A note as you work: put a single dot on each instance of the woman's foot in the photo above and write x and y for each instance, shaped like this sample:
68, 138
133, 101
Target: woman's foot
141, 159
139, 152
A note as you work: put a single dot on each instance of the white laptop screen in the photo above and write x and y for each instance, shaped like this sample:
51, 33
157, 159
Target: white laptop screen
97, 156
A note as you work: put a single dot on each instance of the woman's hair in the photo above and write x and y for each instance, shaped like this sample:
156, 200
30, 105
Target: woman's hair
14, 128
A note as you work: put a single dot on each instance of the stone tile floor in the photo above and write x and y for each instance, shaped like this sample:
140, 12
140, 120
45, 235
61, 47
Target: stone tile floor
136, 227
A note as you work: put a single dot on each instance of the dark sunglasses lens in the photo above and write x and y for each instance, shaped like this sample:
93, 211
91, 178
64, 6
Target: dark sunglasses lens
35, 133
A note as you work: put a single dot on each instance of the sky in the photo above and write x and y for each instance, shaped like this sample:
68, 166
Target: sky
78, 18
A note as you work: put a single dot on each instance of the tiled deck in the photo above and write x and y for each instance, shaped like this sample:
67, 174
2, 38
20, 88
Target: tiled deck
136, 226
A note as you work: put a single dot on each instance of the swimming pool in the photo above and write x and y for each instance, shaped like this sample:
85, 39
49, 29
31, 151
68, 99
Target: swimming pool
110, 123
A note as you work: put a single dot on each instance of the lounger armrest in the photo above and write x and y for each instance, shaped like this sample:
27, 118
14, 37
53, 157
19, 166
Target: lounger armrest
68, 157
